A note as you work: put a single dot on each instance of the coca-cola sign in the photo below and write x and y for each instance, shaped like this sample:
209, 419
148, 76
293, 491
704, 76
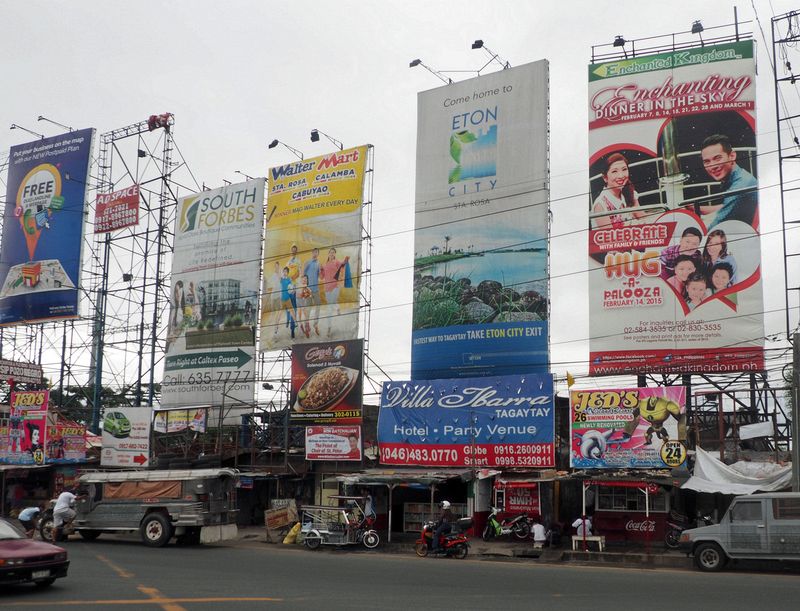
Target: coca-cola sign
643, 526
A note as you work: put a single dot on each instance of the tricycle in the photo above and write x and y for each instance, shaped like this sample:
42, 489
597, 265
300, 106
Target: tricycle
344, 524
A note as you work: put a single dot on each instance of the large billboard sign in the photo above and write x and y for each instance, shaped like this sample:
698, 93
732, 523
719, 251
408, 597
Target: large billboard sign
126, 437
505, 421
214, 297
628, 428
333, 443
40, 255
27, 427
481, 227
674, 256
66, 443
117, 210
327, 382
312, 258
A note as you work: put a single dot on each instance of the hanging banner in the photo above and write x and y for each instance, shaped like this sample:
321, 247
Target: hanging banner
628, 428
177, 420
214, 297
27, 427
66, 443
488, 422
126, 437
674, 246
312, 258
117, 210
481, 233
40, 255
327, 383
333, 443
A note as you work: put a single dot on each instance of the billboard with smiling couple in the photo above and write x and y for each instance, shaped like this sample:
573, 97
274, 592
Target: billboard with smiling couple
674, 256
481, 227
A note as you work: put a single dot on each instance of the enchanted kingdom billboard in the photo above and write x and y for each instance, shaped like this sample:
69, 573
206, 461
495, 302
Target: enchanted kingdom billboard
628, 428
214, 297
505, 421
312, 258
40, 254
674, 255
481, 229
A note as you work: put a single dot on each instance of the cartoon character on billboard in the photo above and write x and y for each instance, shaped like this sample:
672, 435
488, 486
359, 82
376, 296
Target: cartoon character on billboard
656, 411
33, 437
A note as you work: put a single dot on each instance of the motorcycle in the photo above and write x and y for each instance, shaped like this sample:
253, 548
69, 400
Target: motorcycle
517, 526
47, 525
454, 544
676, 525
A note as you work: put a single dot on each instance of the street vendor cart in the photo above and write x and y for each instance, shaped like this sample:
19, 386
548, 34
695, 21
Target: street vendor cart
343, 524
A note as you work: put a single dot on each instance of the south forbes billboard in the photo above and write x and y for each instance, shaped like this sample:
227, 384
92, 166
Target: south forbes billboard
481, 230
674, 246
505, 421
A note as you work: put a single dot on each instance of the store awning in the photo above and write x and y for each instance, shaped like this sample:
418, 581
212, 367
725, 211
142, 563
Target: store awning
400, 477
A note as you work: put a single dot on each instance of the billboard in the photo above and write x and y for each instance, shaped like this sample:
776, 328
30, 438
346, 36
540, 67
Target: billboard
126, 437
481, 227
674, 256
628, 428
312, 258
505, 421
27, 427
66, 443
20, 371
327, 382
214, 297
178, 420
40, 255
116, 210
333, 443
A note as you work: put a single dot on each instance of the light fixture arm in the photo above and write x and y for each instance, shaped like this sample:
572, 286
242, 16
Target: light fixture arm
331, 138
494, 57
445, 79
247, 176
25, 129
66, 127
276, 142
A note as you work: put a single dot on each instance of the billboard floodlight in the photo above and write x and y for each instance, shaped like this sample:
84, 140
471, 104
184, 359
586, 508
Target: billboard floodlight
619, 41
478, 44
418, 62
66, 127
276, 142
697, 28
25, 129
315, 138
247, 176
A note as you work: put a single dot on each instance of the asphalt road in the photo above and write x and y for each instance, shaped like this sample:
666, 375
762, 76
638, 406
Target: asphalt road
123, 574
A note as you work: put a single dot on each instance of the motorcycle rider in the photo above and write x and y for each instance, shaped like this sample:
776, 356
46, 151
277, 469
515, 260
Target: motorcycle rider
443, 526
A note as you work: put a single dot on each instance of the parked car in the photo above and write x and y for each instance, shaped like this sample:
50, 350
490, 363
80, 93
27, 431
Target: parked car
117, 425
23, 560
755, 527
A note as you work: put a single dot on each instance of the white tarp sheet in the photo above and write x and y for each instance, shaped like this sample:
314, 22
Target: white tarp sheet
712, 475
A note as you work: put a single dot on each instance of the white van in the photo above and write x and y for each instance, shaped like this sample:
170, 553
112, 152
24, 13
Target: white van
755, 527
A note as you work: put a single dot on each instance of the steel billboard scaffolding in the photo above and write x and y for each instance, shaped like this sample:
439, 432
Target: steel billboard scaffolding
117, 345
718, 405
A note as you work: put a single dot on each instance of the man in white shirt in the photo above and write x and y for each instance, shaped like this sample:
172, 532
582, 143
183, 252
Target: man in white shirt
63, 513
583, 526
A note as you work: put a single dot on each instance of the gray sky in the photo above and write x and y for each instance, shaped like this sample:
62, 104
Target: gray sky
238, 74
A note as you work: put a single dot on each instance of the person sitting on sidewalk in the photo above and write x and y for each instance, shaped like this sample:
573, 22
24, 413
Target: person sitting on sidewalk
539, 534
583, 526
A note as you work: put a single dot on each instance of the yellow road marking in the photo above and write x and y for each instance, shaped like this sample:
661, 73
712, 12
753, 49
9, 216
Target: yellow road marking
144, 601
117, 569
154, 594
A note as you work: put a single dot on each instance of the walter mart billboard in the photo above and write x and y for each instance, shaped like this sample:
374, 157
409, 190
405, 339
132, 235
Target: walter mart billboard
505, 421
628, 428
40, 255
312, 256
674, 257
214, 297
481, 227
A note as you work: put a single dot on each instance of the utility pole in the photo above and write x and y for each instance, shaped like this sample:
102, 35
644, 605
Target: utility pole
795, 412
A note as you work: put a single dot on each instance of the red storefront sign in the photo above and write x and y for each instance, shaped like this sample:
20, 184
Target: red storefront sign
519, 497
629, 525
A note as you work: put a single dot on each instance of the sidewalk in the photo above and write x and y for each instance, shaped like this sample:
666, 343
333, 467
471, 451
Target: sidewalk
622, 555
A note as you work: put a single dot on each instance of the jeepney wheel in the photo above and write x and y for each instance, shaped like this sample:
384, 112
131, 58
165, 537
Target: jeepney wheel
89, 535
46, 528
709, 557
156, 530
371, 539
460, 551
421, 549
312, 540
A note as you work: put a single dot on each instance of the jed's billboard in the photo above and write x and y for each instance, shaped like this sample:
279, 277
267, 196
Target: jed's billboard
214, 297
628, 428
312, 257
481, 227
40, 257
674, 257
503, 421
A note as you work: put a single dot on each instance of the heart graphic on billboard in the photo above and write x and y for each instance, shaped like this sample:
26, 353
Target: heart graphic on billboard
39, 195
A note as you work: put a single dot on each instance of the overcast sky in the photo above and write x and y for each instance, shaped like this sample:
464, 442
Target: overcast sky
237, 74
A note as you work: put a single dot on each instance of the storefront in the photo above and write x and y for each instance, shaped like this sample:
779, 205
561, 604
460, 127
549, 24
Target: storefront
626, 510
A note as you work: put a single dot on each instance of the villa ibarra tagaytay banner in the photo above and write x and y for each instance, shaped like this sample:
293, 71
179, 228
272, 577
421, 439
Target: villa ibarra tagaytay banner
214, 297
40, 258
674, 257
505, 421
628, 428
481, 229
312, 258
